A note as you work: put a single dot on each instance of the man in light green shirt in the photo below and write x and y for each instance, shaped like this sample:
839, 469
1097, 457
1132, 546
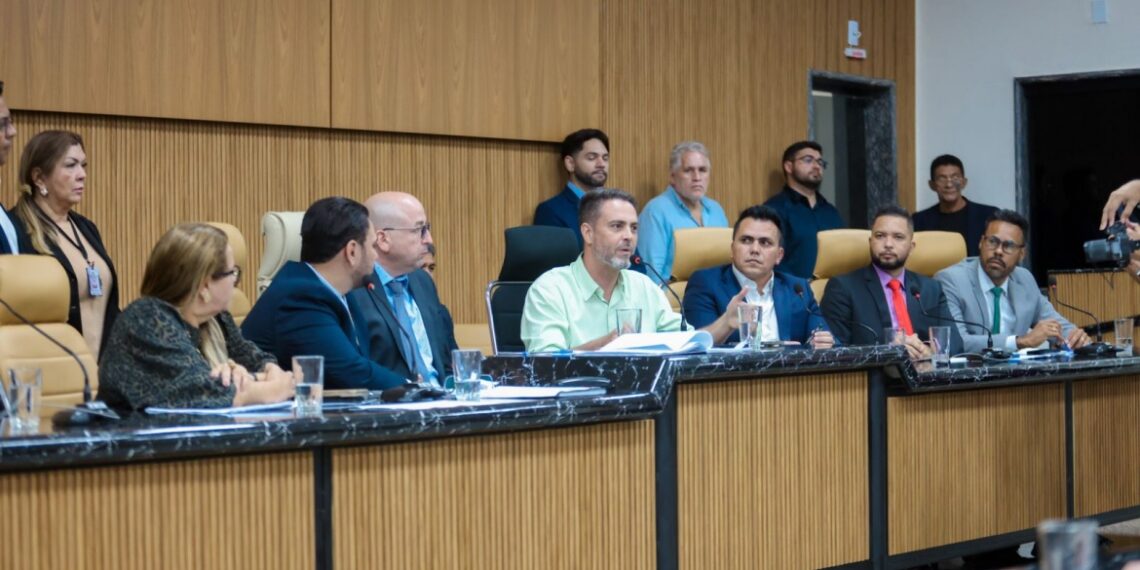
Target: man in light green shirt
574, 307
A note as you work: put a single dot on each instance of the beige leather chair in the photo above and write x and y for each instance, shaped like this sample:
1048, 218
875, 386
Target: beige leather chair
695, 249
239, 304
935, 251
840, 251
282, 234
36, 287
474, 336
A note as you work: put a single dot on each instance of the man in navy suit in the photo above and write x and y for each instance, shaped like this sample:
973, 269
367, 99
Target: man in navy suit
886, 295
788, 309
11, 229
586, 158
306, 311
409, 330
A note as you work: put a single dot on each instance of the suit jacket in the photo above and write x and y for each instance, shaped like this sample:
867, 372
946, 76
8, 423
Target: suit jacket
561, 211
969, 303
710, 290
858, 296
384, 331
299, 315
21, 236
976, 215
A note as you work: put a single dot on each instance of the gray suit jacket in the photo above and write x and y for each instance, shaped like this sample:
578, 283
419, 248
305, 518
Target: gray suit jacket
969, 303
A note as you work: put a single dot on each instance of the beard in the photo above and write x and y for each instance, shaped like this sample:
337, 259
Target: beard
617, 262
898, 262
806, 181
591, 179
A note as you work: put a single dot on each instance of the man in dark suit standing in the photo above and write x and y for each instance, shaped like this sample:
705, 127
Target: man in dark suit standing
586, 158
885, 294
953, 213
10, 227
409, 330
305, 310
787, 306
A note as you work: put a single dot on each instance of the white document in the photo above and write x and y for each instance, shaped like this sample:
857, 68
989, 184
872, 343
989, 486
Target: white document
658, 343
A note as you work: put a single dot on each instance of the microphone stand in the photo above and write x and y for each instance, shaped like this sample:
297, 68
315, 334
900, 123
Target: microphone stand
988, 353
799, 290
680, 308
1098, 349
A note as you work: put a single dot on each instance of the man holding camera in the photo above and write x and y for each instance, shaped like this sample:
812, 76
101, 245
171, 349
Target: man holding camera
1127, 196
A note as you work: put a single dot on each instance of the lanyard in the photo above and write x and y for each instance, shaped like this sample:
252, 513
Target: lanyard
77, 242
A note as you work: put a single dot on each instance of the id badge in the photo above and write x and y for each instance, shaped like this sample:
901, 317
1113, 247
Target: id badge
94, 284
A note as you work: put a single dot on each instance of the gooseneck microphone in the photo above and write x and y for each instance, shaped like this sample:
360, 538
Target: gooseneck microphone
799, 289
1099, 348
636, 260
989, 352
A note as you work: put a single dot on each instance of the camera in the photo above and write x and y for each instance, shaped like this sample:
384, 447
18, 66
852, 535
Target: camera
1116, 248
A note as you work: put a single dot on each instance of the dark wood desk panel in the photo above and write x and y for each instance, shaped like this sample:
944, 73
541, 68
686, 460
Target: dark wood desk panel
232, 512
1106, 445
971, 464
772, 472
578, 497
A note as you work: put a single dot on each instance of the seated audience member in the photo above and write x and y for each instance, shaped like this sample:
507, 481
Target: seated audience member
953, 213
306, 309
53, 179
803, 209
177, 346
787, 306
428, 263
10, 227
586, 158
993, 290
882, 295
575, 306
683, 204
409, 330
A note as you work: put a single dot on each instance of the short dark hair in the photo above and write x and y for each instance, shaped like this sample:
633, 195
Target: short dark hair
1010, 217
1, 88
790, 152
329, 224
946, 160
575, 140
896, 211
592, 202
760, 212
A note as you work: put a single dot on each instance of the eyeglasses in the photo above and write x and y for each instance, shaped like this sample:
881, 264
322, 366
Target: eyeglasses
944, 179
810, 160
424, 229
1007, 246
236, 272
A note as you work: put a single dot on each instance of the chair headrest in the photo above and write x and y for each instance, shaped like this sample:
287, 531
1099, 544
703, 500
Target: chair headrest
697, 248
282, 233
533, 250
842, 251
36, 287
237, 243
935, 251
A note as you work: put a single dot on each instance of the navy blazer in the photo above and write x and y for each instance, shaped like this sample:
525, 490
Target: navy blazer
560, 211
859, 296
710, 290
299, 315
21, 236
976, 216
384, 331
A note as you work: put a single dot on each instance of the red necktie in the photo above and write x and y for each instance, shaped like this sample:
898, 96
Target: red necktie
899, 302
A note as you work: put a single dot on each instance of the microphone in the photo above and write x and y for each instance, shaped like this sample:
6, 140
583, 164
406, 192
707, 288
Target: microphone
989, 352
799, 289
636, 259
85, 412
1099, 348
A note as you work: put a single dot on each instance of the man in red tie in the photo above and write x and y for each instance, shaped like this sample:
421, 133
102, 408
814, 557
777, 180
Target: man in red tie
861, 307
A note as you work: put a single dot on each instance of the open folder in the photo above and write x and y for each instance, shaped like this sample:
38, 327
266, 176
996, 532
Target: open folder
686, 342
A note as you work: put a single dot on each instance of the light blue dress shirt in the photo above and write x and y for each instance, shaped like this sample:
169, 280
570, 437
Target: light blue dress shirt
9, 230
423, 345
662, 215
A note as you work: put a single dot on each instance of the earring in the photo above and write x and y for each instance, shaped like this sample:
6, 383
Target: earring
43, 191
206, 296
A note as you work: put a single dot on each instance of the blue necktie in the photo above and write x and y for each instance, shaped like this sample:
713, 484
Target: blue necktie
407, 338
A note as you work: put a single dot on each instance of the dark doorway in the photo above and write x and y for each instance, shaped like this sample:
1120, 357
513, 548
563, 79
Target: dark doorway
854, 119
1078, 139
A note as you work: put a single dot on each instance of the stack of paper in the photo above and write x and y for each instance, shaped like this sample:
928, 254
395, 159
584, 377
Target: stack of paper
686, 342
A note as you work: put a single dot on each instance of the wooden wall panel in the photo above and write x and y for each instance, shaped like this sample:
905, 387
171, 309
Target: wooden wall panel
252, 61
734, 75
580, 497
239, 512
1106, 435
966, 465
515, 69
772, 473
1108, 294
147, 175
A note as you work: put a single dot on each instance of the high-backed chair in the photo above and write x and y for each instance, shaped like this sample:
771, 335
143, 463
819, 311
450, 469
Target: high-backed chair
530, 251
282, 234
935, 251
36, 287
840, 251
474, 336
695, 249
239, 303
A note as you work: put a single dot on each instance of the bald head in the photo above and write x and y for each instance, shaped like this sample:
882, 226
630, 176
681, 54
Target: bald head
402, 244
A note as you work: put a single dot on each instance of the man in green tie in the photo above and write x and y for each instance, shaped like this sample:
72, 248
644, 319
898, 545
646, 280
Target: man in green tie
994, 291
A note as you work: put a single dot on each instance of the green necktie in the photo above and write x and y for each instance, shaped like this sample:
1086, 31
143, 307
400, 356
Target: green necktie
996, 328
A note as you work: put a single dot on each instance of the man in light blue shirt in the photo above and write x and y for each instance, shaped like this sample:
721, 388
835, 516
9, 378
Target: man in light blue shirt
683, 204
9, 235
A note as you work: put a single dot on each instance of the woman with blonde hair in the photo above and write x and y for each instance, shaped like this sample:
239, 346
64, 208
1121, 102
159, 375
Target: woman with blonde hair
53, 180
178, 346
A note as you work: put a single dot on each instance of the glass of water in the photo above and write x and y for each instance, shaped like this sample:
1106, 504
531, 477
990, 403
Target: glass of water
309, 375
628, 321
940, 346
25, 387
467, 366
1123, 336
749, 327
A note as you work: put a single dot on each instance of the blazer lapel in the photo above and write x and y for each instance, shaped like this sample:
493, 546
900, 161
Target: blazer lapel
429, 317
782, 304
380, 302
875, 289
